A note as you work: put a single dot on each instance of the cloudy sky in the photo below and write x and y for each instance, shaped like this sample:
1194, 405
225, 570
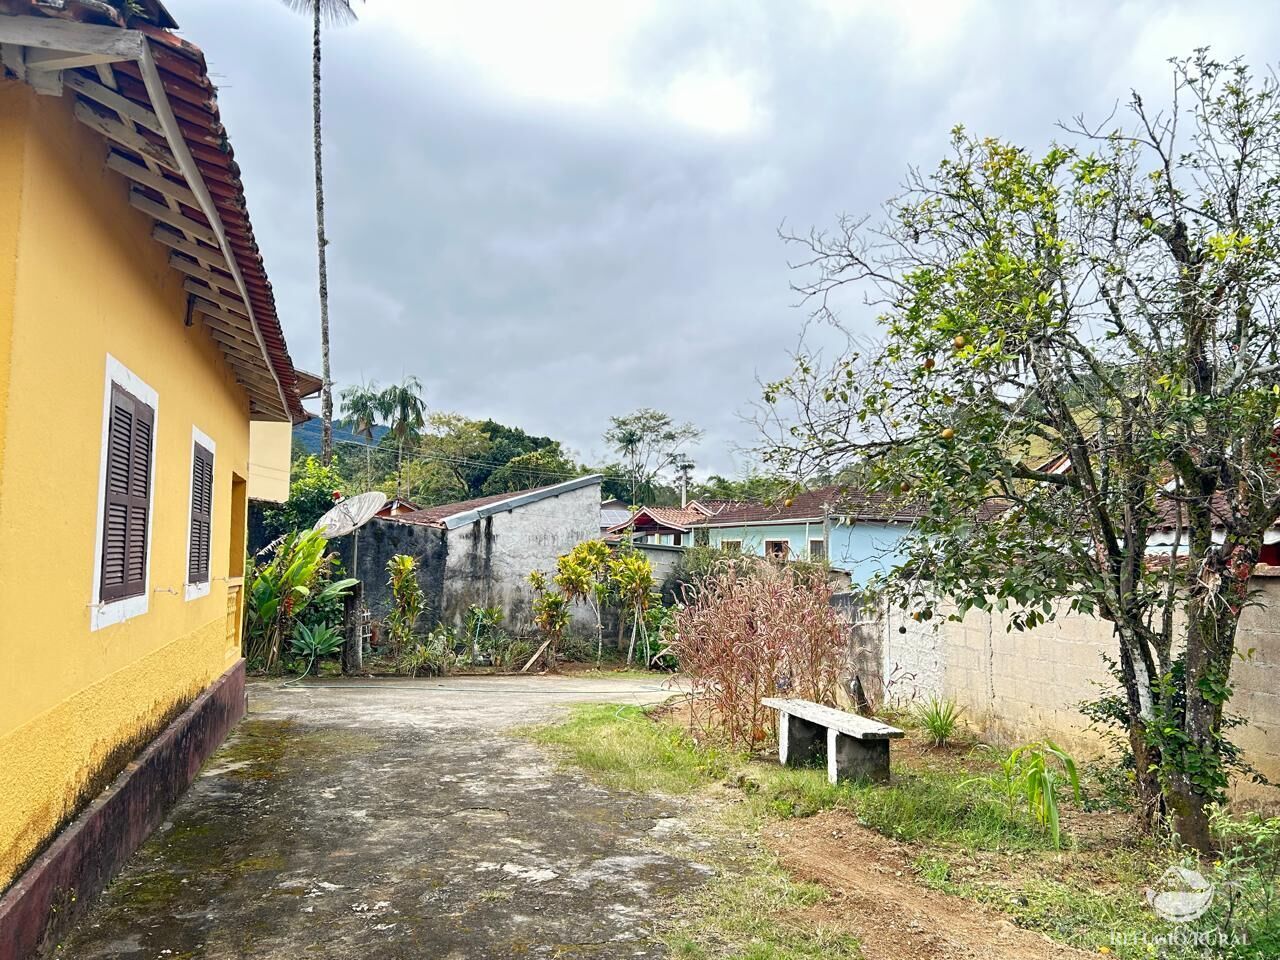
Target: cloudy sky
555, 212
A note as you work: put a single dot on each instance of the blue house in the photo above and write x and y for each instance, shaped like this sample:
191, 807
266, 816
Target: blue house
858, 533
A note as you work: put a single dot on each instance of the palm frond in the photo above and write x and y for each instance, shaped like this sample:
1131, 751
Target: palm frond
332, 12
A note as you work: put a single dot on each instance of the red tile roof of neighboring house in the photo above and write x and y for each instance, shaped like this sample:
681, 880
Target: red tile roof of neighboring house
192, 97
677, 518
811, 505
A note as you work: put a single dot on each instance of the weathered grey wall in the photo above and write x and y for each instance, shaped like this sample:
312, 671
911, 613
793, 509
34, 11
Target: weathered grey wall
663, 558
379, 541
1019, 686
489, 561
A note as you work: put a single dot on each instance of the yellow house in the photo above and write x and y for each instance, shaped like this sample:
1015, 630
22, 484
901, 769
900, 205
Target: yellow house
139, 352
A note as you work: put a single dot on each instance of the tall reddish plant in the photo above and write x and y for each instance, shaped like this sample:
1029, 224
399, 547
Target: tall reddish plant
757, 630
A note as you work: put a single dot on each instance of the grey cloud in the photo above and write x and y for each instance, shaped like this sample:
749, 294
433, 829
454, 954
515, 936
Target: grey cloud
550, 265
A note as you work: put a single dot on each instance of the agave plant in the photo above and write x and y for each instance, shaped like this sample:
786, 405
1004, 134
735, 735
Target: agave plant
315, 643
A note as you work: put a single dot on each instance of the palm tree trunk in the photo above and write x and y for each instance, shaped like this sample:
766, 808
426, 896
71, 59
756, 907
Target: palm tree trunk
326, 391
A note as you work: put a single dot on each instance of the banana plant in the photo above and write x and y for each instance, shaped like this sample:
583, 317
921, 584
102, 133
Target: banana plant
281, 589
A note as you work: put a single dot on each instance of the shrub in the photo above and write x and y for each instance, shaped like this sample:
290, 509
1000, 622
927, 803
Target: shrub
550, 615
939, 717
408, 602
312, 493
429, 656
755, 631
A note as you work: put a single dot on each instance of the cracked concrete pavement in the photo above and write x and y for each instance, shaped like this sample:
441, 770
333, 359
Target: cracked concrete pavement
397, 820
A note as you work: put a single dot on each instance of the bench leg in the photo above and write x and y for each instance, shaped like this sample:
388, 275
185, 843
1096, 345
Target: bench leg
800, 742
849, 758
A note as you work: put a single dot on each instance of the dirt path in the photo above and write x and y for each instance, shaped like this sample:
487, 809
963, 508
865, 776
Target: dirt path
875, 894
392, 820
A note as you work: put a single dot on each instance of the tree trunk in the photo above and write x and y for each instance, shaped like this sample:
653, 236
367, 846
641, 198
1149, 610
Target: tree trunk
326, 390
1140, 695
631, 648
1212, 617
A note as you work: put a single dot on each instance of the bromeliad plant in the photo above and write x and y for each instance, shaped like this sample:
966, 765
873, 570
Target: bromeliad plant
281, 590
939, 716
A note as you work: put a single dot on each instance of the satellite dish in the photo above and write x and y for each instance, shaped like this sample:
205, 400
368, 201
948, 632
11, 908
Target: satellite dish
350, 514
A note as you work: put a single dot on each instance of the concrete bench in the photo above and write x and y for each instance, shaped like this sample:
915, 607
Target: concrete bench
854, 747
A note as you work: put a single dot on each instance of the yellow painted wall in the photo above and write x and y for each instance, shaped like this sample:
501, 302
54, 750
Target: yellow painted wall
81, 278
270, 446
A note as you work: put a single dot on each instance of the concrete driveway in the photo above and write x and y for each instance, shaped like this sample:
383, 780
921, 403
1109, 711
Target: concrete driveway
390, 819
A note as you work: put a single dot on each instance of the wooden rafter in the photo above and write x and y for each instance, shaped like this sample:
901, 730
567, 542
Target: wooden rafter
176, 241
126, 136
164, 214
230, 304
147, 177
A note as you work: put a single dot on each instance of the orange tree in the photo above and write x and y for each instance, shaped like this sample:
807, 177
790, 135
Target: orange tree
1077, 357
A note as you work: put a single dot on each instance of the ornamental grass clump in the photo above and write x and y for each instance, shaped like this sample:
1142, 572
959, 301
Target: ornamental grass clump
757, 630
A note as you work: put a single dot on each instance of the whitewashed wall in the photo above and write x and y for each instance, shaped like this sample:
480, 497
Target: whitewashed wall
489, 561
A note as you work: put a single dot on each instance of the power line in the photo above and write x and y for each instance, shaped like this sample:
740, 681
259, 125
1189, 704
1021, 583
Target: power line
491, 465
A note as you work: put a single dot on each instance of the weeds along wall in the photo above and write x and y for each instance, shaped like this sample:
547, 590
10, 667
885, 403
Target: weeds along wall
1020, 686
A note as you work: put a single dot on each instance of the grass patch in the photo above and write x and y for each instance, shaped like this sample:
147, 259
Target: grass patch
622, 748
1089, 895
756, 914
936, 807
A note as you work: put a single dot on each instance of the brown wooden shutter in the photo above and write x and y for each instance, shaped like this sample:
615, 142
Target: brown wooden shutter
128, 494
201, 513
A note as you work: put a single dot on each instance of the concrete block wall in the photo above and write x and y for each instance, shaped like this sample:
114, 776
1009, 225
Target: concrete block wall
1019, 686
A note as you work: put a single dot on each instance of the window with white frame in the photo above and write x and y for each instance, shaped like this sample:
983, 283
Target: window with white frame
122, 562
817, 549
732, 546
200, 529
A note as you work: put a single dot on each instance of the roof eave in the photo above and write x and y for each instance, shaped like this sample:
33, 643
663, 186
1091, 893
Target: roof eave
533, 496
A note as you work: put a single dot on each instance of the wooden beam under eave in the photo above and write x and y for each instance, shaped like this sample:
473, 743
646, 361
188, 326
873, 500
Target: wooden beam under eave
231, 304
113, 129
233, 345
233, 320
140, 201
176, 241
65, 59
149, 178
192, 268
126, 108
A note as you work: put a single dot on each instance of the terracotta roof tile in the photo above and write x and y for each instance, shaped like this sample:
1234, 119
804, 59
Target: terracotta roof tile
193, 98
810, 504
